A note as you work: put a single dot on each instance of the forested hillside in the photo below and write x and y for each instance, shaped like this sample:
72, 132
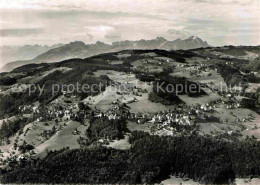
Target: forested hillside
150, 159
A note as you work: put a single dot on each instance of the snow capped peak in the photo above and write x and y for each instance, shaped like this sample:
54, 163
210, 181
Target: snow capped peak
193, 37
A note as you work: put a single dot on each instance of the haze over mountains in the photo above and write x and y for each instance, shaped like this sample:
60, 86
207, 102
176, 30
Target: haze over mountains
26, 52
44, 54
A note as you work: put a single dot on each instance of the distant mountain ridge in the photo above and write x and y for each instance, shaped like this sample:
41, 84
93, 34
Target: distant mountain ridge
79, 49
26, 52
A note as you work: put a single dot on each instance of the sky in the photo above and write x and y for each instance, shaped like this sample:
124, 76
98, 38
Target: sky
48, 22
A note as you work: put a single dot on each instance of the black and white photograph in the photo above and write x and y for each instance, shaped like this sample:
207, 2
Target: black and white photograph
162, 92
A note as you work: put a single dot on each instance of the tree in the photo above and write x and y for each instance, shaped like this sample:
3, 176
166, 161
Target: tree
81, 106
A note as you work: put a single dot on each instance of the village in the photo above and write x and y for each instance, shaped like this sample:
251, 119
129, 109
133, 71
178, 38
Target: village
130, 92
63, 122
171, 122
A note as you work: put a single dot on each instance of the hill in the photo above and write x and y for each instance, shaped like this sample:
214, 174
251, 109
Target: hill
150, 110
80, 50
26, 52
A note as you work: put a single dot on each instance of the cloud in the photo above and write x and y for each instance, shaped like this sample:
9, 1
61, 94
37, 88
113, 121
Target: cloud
82, 36
179, 32
20, 32
174, 31
110, 20
113, 36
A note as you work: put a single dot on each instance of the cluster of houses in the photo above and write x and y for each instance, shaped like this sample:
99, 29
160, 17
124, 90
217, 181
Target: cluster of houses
169, 118
233, 105
52, 112
165, 120
26, 109
119, 110
131, 90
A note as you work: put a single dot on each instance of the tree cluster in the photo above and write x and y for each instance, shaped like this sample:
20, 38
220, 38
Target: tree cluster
150, 159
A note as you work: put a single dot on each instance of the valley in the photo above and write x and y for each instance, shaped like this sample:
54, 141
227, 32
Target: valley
135, 93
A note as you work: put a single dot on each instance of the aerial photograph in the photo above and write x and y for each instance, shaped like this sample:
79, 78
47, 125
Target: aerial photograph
162, 92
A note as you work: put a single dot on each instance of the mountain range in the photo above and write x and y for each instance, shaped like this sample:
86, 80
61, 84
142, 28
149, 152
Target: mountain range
26, 52
79, 49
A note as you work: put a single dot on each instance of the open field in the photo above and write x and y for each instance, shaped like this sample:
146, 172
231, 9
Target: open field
253, 181
146, 106
132, 126
210, 97
232, 114
217, 128
104, 100
61, 139
253, 128
6, 149
177, 180
121, 144
253, 87
117, 76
